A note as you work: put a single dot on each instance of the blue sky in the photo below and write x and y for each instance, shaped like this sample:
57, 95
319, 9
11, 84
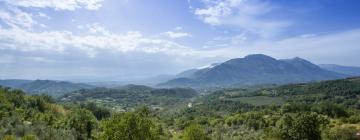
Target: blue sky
139, 38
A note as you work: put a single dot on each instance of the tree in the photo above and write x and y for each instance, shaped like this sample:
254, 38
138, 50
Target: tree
83, 121
305, 126
341, 133
129, 126
98, 111
195, 132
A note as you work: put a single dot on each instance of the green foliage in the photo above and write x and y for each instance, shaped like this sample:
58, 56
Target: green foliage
29, 137
330, 109
98, 111
301, 126
83, 121
129, 126
131, 97
341, 133
323, 110
194, 132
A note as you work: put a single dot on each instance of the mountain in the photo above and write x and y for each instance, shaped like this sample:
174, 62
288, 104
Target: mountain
13, 83
348, 70
52, 88
253, 70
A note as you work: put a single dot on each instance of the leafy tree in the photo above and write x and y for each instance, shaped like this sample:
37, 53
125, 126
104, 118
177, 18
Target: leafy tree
194, 132
98, 111
330, 109
341, 133
129, 126
303, 126
83, 121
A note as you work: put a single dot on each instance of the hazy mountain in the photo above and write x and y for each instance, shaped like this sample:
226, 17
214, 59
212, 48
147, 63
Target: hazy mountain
13, 83
53, 88
252, 70
348, 70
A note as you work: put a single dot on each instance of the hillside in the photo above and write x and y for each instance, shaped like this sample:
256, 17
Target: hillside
49, 87
254, 70
326, 109
131, 96
344, 92
348, 70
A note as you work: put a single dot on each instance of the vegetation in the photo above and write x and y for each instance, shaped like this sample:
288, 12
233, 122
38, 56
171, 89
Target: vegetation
129, 97
326, 110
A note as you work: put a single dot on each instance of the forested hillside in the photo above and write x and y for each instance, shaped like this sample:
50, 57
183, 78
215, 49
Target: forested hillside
128, 97
49, 87
327, 110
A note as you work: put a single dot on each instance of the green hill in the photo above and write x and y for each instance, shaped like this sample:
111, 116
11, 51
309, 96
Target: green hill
49, 87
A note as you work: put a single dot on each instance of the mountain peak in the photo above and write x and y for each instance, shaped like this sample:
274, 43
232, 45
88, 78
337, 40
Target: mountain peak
295, 59
256, 69
251, 57
298, 59
259, 57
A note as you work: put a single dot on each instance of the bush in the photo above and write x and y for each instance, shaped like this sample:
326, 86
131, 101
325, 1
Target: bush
194, 132
129, 126
340, 133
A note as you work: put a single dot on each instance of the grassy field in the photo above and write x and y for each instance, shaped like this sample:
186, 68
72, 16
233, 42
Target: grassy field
260, 100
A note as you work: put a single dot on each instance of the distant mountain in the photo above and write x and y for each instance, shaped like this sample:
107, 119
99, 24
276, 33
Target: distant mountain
53, 88
348, 70
14, 83
252, 70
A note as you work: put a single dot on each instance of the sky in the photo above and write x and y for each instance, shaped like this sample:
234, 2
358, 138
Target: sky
125, 39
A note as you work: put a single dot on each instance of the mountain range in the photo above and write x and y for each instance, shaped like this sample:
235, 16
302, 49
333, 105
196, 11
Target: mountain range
256, 69
348, 70
49, 87
253, 70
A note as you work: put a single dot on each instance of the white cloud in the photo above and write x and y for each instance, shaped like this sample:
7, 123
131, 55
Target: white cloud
65, 41
172, 34
15, 17
178, 28
247, 15
43, 15
96, 28
57, 4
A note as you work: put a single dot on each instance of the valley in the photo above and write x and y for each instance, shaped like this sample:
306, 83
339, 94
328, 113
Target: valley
232, 113
304, 101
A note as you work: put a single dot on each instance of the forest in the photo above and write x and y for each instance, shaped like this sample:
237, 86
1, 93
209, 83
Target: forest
327, 110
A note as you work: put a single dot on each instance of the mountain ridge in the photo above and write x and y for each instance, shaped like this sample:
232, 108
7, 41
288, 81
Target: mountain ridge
348, 70
255, 69
50, 87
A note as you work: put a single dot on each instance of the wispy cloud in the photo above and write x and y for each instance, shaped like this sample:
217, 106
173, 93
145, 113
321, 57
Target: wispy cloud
63, 41
57, 4
247, 15
172, 34
15, 17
